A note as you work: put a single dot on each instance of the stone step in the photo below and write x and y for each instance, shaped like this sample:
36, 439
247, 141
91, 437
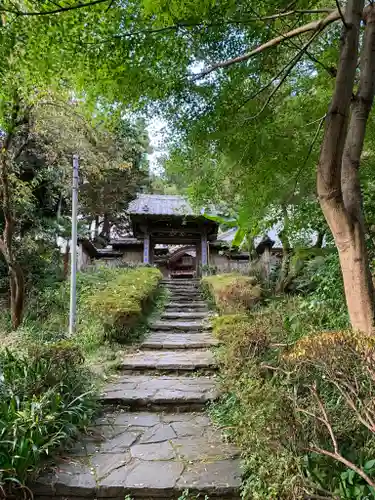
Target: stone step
189, 288
186, 295
182, 289
180, 325
187, 304
160, 392
178, 340
181, 283
177, 281
178, 360
176, 314
185, 298
145, 455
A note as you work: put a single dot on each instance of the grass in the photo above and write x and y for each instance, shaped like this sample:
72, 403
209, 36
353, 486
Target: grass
46, 399
186, 495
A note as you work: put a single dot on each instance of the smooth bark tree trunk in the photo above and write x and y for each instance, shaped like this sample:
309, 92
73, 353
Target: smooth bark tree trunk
285, 263
338, 178
8, 153
16, 277
106, 227
359, 287
287, 251
66, 260
17, 284
319, 239
96, 226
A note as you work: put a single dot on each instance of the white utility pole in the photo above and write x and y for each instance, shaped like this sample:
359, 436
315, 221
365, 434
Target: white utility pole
73, 247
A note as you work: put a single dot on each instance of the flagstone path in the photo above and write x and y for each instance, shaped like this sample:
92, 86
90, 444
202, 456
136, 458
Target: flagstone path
155, 440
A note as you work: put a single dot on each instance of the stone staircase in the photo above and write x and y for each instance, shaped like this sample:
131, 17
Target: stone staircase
155, 441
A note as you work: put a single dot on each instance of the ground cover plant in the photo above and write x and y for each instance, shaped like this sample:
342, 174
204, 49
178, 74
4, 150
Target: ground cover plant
47, 397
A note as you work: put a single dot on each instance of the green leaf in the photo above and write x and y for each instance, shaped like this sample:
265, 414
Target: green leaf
228, 221
369, 465
239, 237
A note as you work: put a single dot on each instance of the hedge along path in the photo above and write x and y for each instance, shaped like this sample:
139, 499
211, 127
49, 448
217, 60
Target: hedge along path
154, 439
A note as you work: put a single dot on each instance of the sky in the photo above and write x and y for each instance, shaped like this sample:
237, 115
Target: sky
157, 131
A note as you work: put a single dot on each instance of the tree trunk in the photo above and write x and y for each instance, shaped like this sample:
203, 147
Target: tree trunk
358, 286
106, 227
17, 298
96, 226
319, 239
16, 277
285, 263
66, 260
338, 182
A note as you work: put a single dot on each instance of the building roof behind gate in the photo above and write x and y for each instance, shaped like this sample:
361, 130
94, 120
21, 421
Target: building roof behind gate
161, 204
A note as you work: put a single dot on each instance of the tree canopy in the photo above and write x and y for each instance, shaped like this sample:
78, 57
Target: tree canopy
245, 88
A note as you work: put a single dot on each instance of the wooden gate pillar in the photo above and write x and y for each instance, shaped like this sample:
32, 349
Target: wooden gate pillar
204, 252
198, 259
146, 248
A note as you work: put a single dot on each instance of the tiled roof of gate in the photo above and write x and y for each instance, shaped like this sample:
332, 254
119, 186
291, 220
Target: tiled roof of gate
161, 204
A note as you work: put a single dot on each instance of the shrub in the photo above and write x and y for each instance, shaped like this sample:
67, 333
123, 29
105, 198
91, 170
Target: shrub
287, 392
255, 410
244, 338
233, 292
324, 304
122, 302
46, 398
335, 398
109, 302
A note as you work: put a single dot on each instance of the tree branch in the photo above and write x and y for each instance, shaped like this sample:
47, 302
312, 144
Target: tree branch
200, 25
290, 13
343, 460
311, 147
316, 26
336, 455
331, 71
56, 11
325, 419
369, 423
289, 68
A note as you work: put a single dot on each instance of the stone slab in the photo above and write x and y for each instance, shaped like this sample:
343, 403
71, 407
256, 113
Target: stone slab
187, 304
68, 478
187, 359
177, 314
185, 298
178, 340
148, 390
180, 325
145, 479
184, 291
105, 463
172, 452
180, 281
182, 286
212, 478
187, 294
